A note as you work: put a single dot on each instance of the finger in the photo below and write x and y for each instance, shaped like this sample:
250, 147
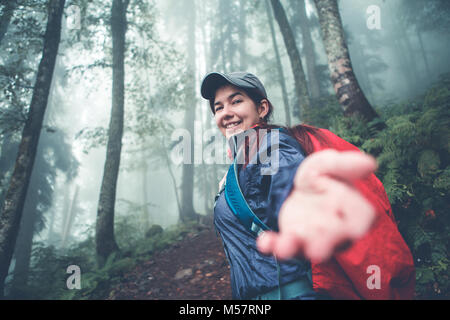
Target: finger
266, 242
287, 246
348, 166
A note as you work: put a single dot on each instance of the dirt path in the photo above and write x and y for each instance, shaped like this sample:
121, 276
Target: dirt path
195, 268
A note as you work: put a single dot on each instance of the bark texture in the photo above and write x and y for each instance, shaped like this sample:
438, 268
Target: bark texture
15, 196
348, 91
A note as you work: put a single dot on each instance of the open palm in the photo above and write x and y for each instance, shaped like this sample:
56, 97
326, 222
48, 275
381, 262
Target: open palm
324, 210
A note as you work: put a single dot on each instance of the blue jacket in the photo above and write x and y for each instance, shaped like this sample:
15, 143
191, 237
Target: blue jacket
253, 273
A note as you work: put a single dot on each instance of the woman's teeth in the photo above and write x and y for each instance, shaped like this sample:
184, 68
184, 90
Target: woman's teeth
231, 125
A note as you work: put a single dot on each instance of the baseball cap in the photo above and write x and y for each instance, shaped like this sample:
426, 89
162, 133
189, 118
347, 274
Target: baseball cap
245, 80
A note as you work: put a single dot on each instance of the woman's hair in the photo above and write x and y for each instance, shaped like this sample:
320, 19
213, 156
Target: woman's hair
300, 132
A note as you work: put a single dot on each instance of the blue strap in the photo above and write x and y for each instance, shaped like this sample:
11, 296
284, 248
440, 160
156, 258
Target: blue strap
238, 204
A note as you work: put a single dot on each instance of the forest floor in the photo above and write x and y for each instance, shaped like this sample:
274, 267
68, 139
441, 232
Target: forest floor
194, 268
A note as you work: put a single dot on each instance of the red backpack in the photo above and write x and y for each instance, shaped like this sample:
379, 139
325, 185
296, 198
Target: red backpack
377, 266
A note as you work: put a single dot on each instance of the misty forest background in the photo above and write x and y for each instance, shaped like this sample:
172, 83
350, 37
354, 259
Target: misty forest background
130, 70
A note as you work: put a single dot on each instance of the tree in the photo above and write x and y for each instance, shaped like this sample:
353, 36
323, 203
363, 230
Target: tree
104, 229
15, 196
243, 35
308, 47
279, 65
187, 182
348, 91
301, 89
8, 8
53, 153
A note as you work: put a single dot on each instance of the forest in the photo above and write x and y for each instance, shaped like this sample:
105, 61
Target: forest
96, 97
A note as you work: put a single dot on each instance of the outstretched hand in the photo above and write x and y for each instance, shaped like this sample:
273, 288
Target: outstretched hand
324, 209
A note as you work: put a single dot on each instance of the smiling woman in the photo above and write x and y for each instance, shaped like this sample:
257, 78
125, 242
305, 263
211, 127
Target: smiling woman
235, 111
308, 210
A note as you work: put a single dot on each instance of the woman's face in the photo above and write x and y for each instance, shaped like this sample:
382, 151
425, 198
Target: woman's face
235, 111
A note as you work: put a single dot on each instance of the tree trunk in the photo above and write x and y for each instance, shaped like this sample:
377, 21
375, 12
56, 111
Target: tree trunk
424, 54
242, 35
104, 231
8, 155
301, 90
172, 176
5, 19
15, 196
70, 218
348, 91
280, 72
187, 184
144, 176
308, 49
24, 244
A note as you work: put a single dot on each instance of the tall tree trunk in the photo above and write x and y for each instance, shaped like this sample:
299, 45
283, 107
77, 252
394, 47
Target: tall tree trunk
144, 176
424, 54
243, 35
172, 176
308, 49
104, 230
280, 72
187, 184
348, 91
70, 219
24, 244
5, 19
15, 197
301, 89
8, 155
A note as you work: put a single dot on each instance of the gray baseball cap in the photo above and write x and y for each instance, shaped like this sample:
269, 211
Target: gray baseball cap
245, 80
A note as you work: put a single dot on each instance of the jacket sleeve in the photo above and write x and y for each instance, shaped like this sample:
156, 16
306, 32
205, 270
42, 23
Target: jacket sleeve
379, 265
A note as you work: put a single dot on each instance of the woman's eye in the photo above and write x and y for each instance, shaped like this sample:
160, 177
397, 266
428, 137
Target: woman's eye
237, 101
218, 108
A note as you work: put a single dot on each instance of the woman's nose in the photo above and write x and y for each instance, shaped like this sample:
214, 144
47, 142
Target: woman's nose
227, 111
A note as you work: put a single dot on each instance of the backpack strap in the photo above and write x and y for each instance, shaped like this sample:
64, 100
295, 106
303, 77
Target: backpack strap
237, 203
236, 200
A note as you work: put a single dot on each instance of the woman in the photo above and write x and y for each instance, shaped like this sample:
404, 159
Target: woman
314, 209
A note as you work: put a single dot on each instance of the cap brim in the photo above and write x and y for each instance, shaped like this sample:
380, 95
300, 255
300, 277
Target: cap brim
215, 80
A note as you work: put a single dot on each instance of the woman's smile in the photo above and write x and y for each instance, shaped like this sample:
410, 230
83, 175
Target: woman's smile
235, 111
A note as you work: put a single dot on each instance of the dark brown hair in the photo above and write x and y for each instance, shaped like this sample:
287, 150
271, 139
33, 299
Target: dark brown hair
301, 133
